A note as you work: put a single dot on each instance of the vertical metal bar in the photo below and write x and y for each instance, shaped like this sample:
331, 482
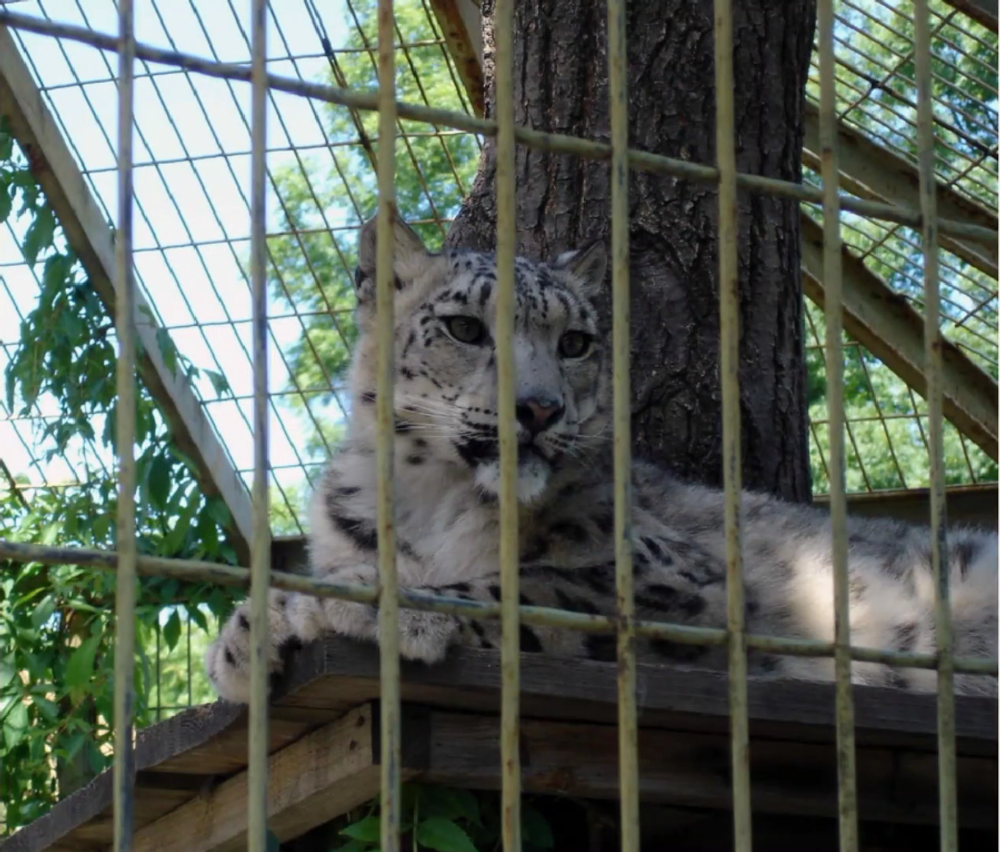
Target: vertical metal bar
628, 738
260, 546
832, 283
385, 519
729, 363
510, 647
124, 776
932, 343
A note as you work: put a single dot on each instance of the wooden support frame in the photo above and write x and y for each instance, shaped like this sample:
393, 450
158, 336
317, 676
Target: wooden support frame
461, 25
870, 171
36, 131
324, 745
885, 324
981, 11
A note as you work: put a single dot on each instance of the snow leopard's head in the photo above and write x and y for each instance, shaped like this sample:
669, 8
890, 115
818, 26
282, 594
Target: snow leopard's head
446, 371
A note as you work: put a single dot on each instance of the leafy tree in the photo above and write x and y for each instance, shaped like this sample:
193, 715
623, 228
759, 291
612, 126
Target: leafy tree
56, 623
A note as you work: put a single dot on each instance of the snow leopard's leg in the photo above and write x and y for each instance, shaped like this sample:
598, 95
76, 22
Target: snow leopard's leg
297, 619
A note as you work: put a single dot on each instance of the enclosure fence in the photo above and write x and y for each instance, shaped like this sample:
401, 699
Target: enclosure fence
128, 564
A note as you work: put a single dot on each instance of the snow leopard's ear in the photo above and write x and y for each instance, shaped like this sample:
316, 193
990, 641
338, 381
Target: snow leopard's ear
410, 257
586, 265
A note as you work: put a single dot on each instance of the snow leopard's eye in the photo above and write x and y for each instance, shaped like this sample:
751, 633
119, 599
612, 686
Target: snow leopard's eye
574, 344
466, 329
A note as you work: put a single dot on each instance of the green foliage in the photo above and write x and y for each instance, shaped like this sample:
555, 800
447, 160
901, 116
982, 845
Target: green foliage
57, 623
444, 819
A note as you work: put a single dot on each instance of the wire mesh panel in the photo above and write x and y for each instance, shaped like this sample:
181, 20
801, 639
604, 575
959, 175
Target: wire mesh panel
397, 121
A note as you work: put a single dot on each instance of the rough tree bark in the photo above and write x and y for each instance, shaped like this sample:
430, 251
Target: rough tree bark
561, 85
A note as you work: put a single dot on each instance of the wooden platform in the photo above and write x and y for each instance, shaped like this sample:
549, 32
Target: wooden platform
191, 793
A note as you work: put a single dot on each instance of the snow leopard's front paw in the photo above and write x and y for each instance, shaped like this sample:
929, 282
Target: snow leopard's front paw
425, 636
227, 660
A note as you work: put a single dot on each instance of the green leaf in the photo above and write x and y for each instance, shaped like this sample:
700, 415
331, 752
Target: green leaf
167, 350
6, 202
15, 724
444, 835
366, 829
448, 803
47, 708
172, 630
80, 665
273, 844
219, 382
39, 235
535, 829
43, 612
159, 481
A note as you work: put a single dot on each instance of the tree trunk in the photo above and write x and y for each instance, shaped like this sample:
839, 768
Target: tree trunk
560, 85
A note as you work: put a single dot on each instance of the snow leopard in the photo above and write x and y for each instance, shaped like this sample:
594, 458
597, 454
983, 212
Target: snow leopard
446, 484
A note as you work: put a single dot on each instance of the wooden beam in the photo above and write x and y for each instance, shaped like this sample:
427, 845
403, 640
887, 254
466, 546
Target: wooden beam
691, 769
317, 778
981, 11
870, 171
324, 746
974, 505
461, 24
888, 326
36, 131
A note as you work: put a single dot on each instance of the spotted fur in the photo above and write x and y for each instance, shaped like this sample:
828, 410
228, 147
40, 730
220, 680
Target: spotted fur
447, 478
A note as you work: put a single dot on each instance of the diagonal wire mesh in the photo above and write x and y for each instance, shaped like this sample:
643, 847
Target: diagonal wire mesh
192, 200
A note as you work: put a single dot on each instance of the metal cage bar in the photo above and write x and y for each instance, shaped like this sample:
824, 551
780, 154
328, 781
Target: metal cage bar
125, 591
260, 546
847, 795
933, 367
729, 366
510, 722
628, 734
388, 583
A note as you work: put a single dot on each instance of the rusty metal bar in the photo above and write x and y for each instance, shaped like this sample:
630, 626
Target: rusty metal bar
224, 575
729, 365
510, 712
933, 367
847, 797
125, 588
388, 596
260, 545
556, 142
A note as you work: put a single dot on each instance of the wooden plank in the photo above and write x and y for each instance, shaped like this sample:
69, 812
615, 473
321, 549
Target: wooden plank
982, 11
182, 734
461, 26
973, 505
693, 770
199, 752
310, 782
870, 171
66, 189
888, 326
337, 673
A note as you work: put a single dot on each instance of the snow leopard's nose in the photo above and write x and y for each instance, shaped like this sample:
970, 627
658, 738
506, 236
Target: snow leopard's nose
538, 413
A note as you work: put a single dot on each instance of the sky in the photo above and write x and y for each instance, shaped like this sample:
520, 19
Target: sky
192, 185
